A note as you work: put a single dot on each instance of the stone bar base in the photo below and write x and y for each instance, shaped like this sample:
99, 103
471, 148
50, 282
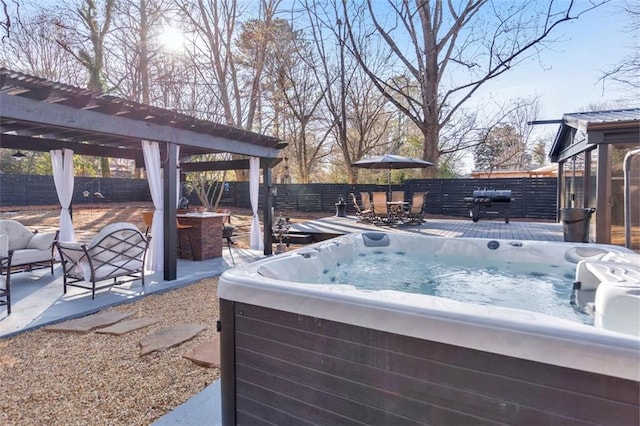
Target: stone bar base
206, 235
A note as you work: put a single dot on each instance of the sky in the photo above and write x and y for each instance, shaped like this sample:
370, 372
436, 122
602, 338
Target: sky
566, 77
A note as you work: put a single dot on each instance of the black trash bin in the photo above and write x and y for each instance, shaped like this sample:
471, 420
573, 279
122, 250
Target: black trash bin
575, 224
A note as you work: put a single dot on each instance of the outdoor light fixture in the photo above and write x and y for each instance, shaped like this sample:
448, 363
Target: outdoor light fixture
18, 156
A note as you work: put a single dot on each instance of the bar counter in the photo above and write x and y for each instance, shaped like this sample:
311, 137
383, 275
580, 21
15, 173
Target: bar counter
206, 235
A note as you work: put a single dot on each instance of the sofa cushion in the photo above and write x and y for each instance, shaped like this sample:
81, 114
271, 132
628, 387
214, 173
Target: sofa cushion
41, 241
19, 235
114, 269
27, 256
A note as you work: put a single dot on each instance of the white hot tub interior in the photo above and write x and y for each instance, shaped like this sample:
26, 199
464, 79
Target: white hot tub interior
592, 284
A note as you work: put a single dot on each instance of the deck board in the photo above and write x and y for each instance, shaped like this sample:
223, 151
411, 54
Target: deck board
452, 228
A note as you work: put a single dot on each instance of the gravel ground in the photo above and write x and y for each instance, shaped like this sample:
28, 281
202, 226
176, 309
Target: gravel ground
53, 378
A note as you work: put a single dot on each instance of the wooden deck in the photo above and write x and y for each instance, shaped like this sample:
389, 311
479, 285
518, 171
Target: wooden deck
328, 227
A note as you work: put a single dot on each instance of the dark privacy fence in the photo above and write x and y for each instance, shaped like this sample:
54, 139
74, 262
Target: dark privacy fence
27, 190
533, 198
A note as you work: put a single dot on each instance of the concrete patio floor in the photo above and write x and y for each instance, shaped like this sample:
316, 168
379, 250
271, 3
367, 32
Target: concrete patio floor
37, 298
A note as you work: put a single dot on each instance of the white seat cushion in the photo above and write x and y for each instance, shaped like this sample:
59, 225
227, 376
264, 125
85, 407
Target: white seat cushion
106, 270
27, 256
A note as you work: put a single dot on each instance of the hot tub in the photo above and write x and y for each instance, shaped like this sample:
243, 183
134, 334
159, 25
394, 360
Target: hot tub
302, 342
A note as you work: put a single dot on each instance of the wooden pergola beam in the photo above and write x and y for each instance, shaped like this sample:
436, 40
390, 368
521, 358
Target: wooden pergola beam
265, 163
49, 114
28, 143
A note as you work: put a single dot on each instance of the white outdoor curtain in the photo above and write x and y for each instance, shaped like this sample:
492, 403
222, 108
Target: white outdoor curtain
155, 255
255, 239
62, 162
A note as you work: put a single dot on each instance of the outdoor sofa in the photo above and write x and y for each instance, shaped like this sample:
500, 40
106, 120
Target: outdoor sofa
22, 250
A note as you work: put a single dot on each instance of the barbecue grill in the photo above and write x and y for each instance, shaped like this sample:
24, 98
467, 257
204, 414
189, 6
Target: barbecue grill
490, 201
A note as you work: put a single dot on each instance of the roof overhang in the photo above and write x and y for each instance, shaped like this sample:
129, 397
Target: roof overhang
582, 131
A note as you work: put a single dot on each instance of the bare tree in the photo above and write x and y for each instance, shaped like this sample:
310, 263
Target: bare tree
452, 49
85, 24
136, 58
7, 20
234, 90
503, 149
32, 48
358, 114
303, 97
215, 22
90, 27
510, 143
627, 72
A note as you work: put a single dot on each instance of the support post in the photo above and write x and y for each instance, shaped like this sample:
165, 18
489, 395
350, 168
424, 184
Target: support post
267, 212
169, 177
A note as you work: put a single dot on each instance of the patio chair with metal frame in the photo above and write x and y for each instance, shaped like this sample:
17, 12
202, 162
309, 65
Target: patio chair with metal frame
117, 254
366, 201
380, 210
397, 196
418, 208
363, 215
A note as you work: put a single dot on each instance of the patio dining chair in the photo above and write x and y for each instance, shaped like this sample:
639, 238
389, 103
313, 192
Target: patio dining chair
400, 211
418, 208
397, 196
366, 201
363, 214
380, 209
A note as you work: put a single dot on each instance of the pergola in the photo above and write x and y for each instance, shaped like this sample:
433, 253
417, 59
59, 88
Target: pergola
42, 115
594, 150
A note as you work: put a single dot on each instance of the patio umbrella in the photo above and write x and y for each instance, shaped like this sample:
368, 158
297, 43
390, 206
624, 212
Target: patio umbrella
391, 161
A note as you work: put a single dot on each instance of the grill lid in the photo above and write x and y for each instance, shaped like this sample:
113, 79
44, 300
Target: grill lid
496, 195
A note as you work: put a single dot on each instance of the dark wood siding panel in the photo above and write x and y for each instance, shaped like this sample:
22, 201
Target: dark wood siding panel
292, 406
405, 400
307, 392
425, 370
256, 413
505, 400
571, 380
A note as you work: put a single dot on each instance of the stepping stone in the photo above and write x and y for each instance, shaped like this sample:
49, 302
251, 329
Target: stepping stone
88, 323
207, 354
169, 337
127, 326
